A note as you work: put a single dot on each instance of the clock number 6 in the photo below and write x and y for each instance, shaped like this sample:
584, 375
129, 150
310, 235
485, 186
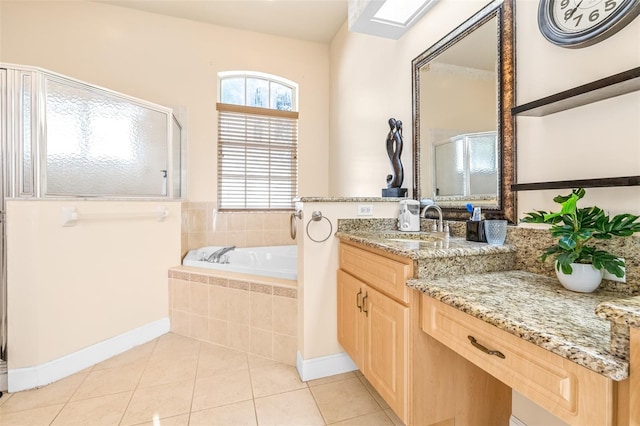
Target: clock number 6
593, 16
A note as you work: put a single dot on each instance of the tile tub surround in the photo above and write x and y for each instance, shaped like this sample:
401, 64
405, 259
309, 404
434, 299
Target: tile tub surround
537, 309
203, 225
258, 316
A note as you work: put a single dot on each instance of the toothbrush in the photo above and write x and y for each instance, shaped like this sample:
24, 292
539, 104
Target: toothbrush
470, 208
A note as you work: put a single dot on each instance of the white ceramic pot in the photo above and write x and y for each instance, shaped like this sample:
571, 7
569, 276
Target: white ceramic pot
584, 278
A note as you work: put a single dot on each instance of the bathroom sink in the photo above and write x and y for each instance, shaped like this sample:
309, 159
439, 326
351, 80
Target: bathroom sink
418, 236
422, 243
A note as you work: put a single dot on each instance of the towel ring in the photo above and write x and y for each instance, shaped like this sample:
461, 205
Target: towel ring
317, 217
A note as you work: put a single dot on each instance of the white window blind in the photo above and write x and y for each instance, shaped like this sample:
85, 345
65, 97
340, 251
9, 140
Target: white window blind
257, 157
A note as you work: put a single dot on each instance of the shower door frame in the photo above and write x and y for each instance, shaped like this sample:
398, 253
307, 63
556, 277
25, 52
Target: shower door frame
4, 129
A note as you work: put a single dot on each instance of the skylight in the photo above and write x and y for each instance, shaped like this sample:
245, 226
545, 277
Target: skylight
386, 18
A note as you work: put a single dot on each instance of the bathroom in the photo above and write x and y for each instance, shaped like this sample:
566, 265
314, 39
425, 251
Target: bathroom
349, 87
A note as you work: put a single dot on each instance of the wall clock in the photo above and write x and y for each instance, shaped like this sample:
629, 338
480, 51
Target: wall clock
581, 23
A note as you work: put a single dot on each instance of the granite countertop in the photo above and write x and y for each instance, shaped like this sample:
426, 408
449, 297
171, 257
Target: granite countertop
539, 310
413, 247
347, 199
621, 311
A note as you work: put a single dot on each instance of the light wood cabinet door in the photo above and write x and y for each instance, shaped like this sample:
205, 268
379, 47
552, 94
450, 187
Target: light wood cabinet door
386, 349
350, 316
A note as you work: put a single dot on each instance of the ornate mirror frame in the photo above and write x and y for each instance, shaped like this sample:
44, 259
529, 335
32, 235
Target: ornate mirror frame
504, 10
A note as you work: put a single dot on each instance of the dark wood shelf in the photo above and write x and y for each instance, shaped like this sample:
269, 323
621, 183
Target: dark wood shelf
578, 183
608, 87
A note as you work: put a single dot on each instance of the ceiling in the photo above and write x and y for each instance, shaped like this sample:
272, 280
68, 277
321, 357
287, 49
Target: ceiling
311, 20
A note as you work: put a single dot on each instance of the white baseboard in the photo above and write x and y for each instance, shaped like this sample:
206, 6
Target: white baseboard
514, 421
43, 374
316, 368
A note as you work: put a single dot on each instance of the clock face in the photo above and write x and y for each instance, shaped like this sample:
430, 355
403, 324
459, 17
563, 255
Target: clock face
574, 16
579, 23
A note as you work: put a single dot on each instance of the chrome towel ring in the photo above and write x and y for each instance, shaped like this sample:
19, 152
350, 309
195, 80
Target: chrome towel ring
317, 216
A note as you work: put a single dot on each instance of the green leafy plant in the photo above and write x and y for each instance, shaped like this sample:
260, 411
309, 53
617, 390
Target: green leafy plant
575, 227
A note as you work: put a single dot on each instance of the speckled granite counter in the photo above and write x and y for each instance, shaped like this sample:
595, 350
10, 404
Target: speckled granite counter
591, 330
347, 199
436, 257
537, 309
621, 311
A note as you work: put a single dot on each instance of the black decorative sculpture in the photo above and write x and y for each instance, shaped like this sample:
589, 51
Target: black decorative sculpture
394, 150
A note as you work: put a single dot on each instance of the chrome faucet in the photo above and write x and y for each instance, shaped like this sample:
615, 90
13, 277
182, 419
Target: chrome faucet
441, 227
216, 255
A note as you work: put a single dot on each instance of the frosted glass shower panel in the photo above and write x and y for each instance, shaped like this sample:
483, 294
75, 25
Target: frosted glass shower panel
101, 144
449, 168
176, 157
483, 163
26, 102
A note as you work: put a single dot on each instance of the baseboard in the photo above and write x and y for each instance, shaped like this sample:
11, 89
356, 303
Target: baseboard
317, 368
514, 421
43, 374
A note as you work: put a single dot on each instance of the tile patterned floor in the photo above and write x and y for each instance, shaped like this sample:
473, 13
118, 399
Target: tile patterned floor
177, 381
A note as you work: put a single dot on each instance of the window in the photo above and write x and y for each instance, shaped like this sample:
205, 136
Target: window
257, 142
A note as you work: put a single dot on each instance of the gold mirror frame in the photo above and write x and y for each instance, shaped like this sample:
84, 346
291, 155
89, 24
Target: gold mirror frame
504, 10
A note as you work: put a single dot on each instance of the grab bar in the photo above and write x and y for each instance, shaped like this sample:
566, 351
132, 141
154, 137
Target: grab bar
69, 216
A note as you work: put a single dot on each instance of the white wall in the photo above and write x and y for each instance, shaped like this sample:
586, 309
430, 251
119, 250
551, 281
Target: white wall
172, 62
68, 290
597, 140
73, 287
371, 81
317, 279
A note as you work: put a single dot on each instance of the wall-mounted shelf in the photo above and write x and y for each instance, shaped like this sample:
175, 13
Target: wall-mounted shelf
608, 87
578, 183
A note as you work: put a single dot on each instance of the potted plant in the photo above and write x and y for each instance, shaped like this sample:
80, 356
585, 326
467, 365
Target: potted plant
575, 229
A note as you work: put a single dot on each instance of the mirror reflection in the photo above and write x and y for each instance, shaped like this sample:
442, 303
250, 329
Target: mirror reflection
465, 167
463, 131
459, 120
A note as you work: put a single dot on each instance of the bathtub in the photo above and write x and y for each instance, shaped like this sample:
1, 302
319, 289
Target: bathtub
272, 261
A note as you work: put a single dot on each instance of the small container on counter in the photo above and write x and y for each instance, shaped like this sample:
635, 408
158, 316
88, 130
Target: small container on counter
475, 231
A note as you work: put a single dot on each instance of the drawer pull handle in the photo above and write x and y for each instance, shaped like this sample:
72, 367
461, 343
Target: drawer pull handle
364, 306
475, 343
358, 304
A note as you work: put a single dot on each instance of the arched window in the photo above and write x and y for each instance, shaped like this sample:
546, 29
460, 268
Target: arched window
257, 141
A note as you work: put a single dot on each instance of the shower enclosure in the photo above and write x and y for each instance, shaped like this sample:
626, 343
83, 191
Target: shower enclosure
466, 165
66, 139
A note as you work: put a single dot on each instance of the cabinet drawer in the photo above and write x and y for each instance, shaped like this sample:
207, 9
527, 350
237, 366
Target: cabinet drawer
386, 275
571, 392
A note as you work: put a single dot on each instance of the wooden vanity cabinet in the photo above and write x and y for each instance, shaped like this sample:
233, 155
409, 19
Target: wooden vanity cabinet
574, 393
373, 321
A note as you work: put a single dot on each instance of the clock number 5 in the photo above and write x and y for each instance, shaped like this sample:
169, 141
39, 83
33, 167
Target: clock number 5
609, 5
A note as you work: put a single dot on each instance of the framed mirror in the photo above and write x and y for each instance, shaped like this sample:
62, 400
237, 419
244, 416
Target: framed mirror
464, 134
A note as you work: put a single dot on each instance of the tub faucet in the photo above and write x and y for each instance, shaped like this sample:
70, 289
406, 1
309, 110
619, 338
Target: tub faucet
216, 255
441, 227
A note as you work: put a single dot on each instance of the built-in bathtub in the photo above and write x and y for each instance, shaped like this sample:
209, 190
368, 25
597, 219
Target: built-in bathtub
249, 305
272, 261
